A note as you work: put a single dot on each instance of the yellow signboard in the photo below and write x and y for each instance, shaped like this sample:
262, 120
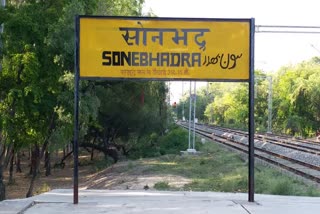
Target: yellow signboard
163, 48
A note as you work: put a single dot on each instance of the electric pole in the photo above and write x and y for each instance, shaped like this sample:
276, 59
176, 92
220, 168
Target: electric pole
270, 105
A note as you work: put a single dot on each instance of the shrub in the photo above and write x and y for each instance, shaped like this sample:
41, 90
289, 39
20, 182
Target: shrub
284, 187
44, 188
153, 145
173, 142
162, 185
102, 164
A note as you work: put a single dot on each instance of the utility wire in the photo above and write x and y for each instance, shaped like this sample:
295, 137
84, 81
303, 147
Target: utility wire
315, 48
294, 29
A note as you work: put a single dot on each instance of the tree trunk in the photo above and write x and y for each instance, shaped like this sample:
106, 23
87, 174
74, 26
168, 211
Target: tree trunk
92, 154
18, 164
7, 156
107, 152
2, 186
11, 181
31, 165
47, 163
29, 153
35, 160
62, 164
92, 149
57, 154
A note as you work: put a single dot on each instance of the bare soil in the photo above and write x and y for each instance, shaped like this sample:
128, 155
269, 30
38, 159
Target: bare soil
122, 176
117, 176
60, 178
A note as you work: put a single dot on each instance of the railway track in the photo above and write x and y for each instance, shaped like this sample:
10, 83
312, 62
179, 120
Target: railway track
311, 147
301, 160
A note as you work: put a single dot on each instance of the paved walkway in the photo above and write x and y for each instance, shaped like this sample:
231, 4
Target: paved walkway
106, 201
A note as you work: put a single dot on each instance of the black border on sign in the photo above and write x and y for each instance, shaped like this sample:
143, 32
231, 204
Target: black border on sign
158, 19
250, 81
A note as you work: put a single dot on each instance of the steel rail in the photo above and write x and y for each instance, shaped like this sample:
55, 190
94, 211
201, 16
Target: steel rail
286, 143
235, 145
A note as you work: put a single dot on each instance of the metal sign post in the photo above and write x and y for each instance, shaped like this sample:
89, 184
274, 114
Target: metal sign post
251, 116
76, 118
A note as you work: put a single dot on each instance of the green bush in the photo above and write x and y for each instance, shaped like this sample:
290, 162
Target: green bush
144, 147
42, 189
162, 185
174, 141
269, 181
102, 164
284, 187
153, 145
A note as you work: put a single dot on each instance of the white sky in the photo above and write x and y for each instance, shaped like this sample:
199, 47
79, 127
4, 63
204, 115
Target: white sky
271, 50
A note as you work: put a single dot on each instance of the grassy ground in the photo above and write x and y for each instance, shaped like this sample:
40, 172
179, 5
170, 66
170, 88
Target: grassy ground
215, 170
223, 171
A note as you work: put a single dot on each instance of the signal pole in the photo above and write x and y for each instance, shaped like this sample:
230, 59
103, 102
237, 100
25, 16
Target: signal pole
189, 144
182, 103
194, 116
270, 105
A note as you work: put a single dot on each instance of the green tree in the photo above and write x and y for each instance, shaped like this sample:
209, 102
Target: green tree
36, 81
27, 79
296, 98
